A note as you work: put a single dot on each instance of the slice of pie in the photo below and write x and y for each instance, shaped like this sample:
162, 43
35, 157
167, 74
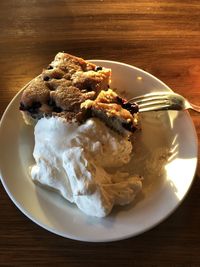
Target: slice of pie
62, 87
76, 89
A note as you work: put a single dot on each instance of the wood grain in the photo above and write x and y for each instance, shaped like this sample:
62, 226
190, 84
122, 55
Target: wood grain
161, 37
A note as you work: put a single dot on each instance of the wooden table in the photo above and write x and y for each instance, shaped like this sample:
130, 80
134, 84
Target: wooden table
161, 37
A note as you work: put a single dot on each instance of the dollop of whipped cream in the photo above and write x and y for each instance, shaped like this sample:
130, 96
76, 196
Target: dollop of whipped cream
74, 160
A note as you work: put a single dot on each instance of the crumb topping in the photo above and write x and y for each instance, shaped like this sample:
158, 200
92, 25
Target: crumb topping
75, 89
63, 86
108, 102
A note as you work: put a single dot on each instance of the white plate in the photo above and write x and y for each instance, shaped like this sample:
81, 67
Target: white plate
163, 191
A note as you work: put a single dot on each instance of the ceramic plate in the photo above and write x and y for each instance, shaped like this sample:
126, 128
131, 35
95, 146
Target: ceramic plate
166, 137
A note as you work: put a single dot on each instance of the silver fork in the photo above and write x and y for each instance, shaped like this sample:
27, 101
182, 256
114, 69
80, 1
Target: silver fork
162, 101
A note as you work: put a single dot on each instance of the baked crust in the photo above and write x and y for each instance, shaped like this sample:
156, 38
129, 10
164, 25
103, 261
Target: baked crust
63, 86
115, 111
76, 90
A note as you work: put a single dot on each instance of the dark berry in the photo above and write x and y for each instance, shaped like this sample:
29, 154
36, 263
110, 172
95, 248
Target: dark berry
88, 88
57, 109
119, 100
22, 107
128, 126
98, 68
46, 78
36, 104
34, 107
131, 107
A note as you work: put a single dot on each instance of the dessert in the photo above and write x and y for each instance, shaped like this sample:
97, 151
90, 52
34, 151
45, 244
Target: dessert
63, 88
60, 89
82, 135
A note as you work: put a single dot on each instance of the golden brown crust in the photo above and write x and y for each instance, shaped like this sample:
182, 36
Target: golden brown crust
63, 86
37, 91
67, 100
75, 89
109, 107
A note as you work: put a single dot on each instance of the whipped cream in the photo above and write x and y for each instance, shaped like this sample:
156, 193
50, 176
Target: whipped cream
76, 160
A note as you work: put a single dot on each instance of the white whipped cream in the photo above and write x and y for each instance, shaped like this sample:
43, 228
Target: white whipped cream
74, 160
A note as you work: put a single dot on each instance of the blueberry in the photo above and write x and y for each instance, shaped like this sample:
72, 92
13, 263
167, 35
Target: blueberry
98, 68
22, 107
46, 78
57, 109
34, 107
131, 107
119, 100
36, 104
128, 126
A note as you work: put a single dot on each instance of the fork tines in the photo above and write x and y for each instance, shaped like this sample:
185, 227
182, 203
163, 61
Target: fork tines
152, 101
